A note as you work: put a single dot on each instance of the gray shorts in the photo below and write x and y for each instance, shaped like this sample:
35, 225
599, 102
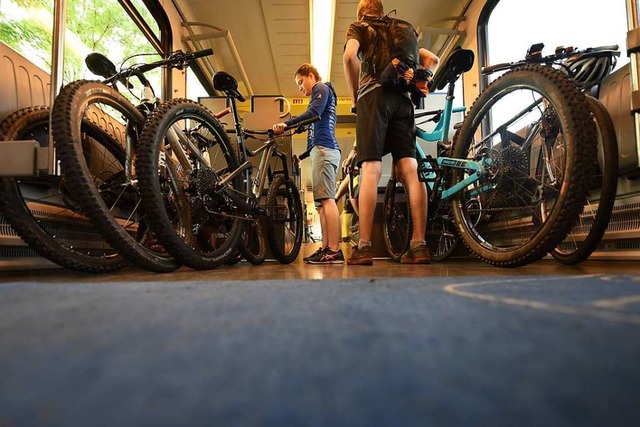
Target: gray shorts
325, 163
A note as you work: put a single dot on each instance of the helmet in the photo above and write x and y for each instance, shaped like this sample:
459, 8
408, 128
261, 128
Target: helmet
588, 69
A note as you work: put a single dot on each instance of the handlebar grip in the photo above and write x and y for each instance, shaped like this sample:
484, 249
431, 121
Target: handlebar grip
497, 67
220, 114
202, 53
303, 123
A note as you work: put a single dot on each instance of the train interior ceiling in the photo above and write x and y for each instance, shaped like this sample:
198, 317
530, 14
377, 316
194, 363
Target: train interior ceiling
263, 42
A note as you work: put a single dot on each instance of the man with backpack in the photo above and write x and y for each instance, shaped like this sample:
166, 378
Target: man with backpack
385, 122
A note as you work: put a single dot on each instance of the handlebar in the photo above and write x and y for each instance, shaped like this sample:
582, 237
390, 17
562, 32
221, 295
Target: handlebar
297, 126
176, 60
561, 53
303, 123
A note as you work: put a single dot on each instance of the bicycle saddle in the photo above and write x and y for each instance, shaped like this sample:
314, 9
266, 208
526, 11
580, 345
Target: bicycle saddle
460, 61
228, 84
102, 66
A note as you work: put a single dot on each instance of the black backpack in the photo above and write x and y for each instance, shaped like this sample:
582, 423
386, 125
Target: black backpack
390, 38
395, 43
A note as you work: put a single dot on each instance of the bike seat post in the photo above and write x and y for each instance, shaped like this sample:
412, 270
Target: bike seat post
237, 126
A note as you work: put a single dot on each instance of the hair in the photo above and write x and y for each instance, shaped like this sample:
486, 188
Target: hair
308, 70
370, 7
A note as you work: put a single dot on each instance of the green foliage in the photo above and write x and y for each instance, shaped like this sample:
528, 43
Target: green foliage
102, 25
28, 37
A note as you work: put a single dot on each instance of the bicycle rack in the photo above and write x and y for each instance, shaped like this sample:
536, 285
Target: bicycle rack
23, 158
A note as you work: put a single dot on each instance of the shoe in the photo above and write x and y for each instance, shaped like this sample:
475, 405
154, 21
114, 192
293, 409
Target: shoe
316, 255
418, 255
329, 257
362, 256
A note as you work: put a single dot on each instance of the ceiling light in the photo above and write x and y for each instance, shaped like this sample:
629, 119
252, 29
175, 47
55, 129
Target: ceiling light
322, 17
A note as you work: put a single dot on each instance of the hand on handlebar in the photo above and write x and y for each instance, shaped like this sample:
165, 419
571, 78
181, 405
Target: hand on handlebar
348, 164
279, 128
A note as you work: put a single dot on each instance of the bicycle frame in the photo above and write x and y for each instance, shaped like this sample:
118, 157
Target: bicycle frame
268, 149
431, 174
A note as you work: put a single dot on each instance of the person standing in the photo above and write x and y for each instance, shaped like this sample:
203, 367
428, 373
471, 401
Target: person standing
324, 151
384, 124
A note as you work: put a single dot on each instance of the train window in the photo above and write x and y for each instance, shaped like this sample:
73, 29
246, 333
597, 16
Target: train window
194, 86
515, 25
91, 26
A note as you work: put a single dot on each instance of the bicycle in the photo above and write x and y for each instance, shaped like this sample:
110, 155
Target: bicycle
587, 68
42, 209
516, 183
111, 199
211, 182
441, 235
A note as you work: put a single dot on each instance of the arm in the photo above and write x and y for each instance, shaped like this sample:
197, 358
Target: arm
351, 66
318, 103
429, 60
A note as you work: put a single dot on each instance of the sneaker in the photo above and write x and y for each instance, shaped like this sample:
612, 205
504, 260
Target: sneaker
329, 257
419, 255
362, 256
316, 255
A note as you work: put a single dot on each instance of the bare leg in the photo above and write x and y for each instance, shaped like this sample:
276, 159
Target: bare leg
370, 173
323, 226
408, 171
331, 228
343, 188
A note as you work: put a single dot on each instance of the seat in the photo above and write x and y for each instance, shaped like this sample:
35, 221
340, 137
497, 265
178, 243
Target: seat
225, 82
458, 62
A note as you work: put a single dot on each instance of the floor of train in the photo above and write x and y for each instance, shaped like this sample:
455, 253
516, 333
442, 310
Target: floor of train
456, 343
383, 267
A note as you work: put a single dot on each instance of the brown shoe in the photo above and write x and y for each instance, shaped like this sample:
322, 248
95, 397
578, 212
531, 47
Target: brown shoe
419, 255
361, 256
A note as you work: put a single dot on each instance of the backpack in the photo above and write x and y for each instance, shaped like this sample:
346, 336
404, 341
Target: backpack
395, 43
390, 38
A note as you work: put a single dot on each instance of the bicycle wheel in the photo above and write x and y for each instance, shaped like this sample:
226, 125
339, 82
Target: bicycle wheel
43, 212
252, 244
108, 198
442, 236
397, 226
184, 153
587, 233
536, 166
285, 222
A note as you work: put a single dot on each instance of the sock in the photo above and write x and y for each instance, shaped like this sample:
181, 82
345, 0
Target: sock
363, 244
415, 243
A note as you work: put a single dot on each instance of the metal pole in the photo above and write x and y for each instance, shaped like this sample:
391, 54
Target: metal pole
633, 51
57, 67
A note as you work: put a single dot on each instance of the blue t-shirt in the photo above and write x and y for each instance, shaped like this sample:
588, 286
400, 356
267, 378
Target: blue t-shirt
322, 103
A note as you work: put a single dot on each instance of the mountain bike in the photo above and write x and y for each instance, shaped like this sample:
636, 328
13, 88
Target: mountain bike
44, 211
587, 68
212, 186
110, 199
516, 177
441, 235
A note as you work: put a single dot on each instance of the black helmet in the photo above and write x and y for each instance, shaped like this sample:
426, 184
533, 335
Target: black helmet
588, 70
